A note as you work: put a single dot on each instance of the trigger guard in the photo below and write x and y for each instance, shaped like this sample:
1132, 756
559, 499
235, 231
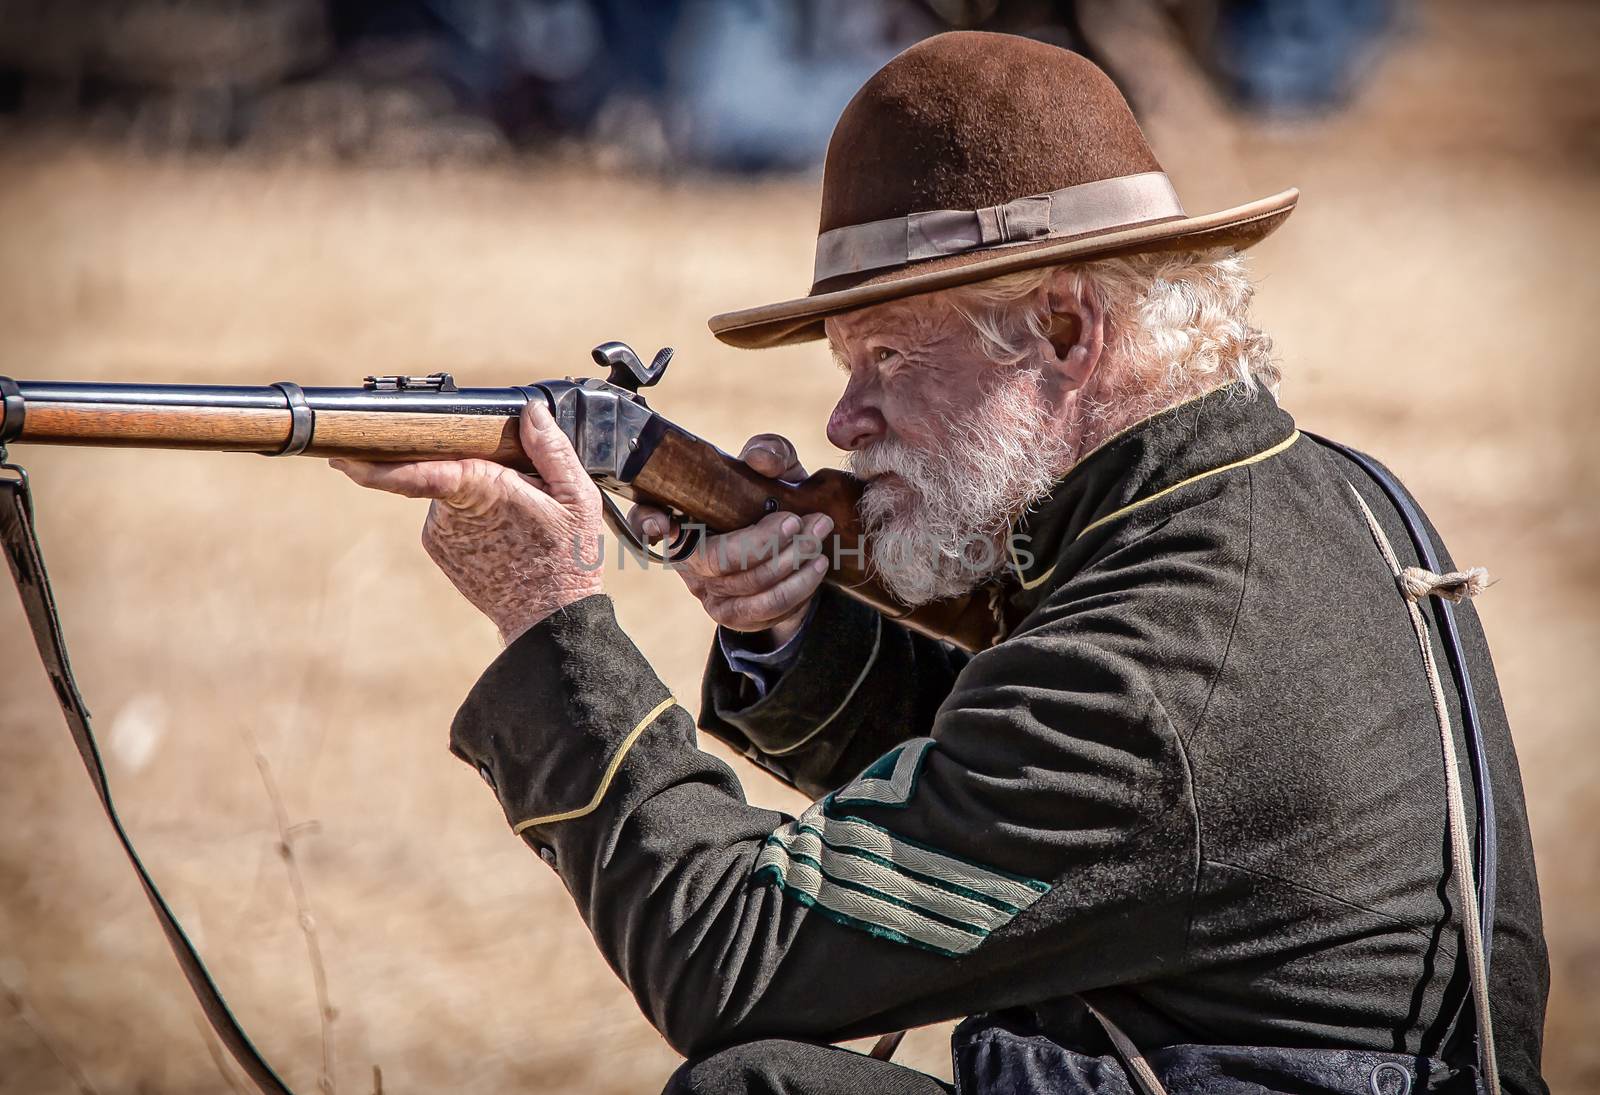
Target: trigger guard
681, 548
689, 537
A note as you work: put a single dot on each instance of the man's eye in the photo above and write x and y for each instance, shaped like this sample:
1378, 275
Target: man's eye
884, 355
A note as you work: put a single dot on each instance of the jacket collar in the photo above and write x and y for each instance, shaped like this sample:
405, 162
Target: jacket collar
1226, 428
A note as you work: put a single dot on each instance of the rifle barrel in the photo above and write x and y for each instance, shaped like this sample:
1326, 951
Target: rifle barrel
351, 422
507, 401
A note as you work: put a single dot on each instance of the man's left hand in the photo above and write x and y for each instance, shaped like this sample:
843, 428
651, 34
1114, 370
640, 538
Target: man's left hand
515, 545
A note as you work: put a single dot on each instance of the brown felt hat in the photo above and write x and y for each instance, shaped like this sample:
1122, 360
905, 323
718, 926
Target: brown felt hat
972, 155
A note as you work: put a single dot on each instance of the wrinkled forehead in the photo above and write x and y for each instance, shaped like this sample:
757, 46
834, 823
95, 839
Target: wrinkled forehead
927, 317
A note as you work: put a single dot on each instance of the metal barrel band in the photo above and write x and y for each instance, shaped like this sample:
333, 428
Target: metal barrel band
302, 419
26, 561
13, 412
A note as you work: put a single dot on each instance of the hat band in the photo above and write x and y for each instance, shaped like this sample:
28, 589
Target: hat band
1073, 211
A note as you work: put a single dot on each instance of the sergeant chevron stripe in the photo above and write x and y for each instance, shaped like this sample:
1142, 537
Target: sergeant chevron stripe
863, 876
891, 779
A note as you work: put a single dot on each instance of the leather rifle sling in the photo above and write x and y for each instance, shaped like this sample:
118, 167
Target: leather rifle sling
1486, 858
1465, 1024
33, 585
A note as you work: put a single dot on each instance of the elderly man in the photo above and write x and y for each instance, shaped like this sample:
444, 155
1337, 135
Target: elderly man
1205, 817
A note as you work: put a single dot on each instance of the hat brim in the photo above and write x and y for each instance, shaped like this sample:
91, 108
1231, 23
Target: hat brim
801, 320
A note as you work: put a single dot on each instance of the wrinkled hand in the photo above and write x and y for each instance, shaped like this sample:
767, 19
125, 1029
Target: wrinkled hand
513, 544
761, 578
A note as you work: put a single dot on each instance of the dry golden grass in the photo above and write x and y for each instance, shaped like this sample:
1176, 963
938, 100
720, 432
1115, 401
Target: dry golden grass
1434, 301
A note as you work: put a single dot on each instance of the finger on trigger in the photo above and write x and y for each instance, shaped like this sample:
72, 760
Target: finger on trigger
649, 523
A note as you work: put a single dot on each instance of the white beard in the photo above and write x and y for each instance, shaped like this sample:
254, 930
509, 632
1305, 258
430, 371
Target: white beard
939, 526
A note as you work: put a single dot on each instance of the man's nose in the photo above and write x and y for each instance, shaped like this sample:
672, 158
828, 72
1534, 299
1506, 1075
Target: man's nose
854, 425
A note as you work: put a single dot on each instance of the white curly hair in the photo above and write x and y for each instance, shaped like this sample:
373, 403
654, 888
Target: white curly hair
1177, 326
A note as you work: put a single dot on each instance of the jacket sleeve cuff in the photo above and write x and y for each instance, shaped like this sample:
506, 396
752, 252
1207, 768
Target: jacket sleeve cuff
763, 667
552, 720
836, 652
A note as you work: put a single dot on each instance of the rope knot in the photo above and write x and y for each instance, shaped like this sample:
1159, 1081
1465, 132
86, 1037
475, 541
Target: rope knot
1456, 586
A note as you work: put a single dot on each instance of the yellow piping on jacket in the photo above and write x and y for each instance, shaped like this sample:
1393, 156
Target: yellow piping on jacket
1028, 583
605, 780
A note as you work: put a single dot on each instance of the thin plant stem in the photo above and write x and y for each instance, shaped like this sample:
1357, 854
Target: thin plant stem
308, 923
214, 1048
20, 1006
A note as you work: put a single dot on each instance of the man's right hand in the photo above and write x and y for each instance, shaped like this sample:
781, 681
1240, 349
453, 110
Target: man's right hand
758, 579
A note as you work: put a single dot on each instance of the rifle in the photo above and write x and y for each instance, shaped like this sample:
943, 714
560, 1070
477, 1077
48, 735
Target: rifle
629, 450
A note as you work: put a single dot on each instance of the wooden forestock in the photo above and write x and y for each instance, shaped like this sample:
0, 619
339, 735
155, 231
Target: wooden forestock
684, 472
368, 435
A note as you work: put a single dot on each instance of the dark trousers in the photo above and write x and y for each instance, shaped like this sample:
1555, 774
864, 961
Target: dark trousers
777, 1067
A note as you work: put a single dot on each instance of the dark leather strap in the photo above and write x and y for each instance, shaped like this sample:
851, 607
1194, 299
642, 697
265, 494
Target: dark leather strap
1487, 851
33, 585
1444, 613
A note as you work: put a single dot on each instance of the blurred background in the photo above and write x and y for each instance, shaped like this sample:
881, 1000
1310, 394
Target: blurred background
242, 191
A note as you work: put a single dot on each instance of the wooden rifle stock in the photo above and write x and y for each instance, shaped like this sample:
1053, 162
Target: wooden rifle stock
695, 478
651, 461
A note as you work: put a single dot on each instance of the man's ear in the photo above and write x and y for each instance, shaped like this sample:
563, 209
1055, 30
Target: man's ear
1076, 330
